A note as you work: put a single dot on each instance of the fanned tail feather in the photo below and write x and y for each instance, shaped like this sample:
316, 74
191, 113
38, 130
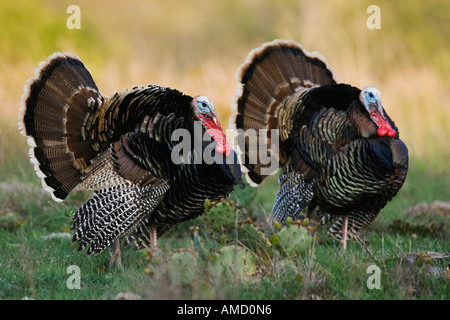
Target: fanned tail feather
54, 104
269, 76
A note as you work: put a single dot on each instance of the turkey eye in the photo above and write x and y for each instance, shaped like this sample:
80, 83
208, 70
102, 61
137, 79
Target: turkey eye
371, 94
204, 104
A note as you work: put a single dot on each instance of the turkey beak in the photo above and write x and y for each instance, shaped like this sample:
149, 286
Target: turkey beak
376, 106
216, 121
376, 109
214, 118
379, 107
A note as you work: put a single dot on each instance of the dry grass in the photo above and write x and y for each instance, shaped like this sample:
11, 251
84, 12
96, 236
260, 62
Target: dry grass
197, 46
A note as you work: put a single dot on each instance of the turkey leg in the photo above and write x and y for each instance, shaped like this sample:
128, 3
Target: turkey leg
153, 237
116, 255
344, 233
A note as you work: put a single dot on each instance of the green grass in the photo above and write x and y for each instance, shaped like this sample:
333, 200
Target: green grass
35, 267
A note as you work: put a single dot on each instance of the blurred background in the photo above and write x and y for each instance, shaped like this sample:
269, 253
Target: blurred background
196, 47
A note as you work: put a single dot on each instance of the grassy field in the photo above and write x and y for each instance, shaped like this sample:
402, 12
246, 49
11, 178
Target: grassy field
196, 46
238, 260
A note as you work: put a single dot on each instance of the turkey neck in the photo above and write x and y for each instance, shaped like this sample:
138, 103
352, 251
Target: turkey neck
362, 123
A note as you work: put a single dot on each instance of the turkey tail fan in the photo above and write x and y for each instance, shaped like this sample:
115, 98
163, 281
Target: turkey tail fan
268, 77
54, 106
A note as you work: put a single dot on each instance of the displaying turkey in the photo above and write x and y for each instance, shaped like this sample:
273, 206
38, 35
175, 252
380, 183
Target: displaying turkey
338, 150
146, 152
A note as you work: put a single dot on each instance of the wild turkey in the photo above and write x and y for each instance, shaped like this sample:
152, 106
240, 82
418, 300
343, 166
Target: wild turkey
122, 148
339, 151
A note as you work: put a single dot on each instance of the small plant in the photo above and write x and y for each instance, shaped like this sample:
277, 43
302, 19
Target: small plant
243, 196
179, 266
291, 239
182, 266
220, 216
232, 260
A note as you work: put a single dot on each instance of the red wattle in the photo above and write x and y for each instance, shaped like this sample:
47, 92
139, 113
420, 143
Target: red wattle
223, 148
391, 133
382, 131
222, 145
